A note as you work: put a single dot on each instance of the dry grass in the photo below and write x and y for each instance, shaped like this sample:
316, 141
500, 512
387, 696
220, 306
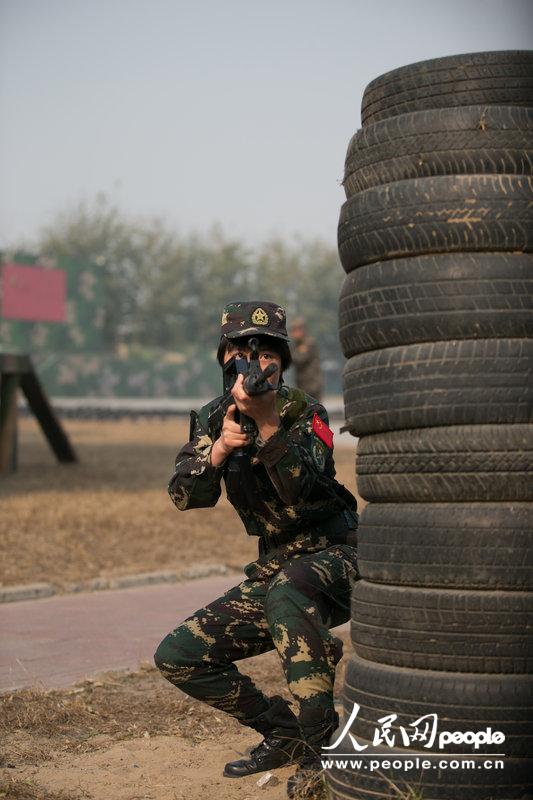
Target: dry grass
110, 514
36, 725
42, 727
14, 789
93, 713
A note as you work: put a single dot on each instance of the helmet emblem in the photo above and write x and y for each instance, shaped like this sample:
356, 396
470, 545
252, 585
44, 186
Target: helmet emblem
260, 317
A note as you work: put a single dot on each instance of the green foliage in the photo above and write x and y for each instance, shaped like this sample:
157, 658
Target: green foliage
166, 290
100, 235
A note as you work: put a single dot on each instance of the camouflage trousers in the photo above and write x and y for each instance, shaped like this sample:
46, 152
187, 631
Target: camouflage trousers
291, 612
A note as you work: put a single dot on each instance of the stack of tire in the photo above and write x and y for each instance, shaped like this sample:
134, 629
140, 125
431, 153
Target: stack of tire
436, 320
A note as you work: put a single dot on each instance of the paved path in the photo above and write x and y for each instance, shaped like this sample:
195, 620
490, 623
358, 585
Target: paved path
58, 640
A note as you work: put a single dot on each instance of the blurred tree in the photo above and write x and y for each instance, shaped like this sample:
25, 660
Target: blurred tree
98, 234
166, 290
307, 276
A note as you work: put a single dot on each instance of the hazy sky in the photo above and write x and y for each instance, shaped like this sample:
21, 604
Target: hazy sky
202, 111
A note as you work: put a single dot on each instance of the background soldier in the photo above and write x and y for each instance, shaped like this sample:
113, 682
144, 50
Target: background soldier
306, 360
284, 490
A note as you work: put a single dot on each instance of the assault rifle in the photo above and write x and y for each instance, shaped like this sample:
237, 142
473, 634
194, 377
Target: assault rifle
255, 382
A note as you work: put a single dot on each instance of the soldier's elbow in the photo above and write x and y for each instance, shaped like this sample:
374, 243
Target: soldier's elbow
178, 495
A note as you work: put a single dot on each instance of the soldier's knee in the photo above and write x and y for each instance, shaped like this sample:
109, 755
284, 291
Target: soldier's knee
174, 660
165, 653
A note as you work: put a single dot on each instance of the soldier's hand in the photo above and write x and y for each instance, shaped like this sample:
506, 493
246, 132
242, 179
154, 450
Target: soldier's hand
261, 408
231, 437
257, 407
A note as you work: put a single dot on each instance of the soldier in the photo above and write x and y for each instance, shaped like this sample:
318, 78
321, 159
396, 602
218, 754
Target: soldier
306, 360
285, 492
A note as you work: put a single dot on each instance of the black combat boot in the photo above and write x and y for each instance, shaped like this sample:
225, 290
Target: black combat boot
318, 725
283, 742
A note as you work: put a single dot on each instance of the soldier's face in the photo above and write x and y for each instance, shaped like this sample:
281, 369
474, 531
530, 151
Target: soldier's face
266, 357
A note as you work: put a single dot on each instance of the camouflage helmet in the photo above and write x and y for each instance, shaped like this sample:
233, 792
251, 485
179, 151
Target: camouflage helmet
254, 318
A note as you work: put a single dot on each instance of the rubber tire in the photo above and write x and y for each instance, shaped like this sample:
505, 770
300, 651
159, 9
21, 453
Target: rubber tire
449, 545
464, 463
449, 213
357, 781
466, 701
488, 78
448, 141
443, 629
469, 382
439, 297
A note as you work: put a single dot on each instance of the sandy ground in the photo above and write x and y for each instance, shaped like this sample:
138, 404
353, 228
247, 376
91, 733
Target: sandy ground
158, 767
131, 736
110, 514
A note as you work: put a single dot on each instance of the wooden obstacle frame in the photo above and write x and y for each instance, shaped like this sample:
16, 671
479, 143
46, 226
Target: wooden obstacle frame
17, 372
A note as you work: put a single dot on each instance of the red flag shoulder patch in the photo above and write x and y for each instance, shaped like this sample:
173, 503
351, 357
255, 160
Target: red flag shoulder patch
322, 431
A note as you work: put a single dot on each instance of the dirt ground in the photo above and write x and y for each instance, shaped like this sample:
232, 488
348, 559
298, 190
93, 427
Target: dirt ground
127, 736
110, 514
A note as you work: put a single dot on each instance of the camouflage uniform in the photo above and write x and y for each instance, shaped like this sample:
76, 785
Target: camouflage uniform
297, 588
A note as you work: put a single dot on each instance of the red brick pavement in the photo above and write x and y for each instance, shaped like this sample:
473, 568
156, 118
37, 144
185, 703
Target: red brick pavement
59, 640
